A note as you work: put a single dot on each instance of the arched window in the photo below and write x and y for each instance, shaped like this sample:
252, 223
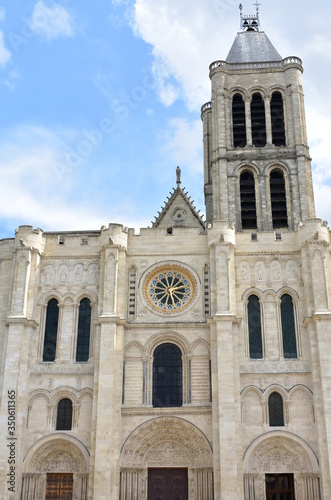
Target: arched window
247, 200
277, 119
259, 137
51, 324
278, 199
167, 376
254, 327
64, 415
276, 412
84, 329
288, 327
238, 121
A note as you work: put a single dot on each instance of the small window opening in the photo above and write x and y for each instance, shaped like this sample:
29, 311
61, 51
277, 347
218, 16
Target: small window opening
278, 236
259, 137
276, 412
278, 199
247, 200
169, 230
254, 236
238, 121
61, 240
64, 415
277, 119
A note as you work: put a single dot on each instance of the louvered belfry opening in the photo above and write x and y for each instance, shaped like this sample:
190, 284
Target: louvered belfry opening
238, 121
259, 137
248, 201
278, 199
277, 119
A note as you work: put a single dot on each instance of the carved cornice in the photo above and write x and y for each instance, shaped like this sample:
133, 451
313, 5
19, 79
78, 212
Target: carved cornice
157, 412
278, 366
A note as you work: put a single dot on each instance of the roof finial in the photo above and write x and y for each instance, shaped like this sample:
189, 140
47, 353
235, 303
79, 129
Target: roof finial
178, 172
241, 15
257, 5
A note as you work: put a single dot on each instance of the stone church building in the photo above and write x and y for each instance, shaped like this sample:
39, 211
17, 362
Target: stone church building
190, 361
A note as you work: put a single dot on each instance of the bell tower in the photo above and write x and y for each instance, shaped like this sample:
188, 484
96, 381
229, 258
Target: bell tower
257, 168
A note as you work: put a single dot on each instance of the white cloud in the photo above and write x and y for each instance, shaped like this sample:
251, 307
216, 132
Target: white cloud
185, 37
183, 144
51, 22
28, 175
5, 54
2, 13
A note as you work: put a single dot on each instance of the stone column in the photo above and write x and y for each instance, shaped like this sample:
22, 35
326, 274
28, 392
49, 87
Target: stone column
248, 122
106, 433
268, 120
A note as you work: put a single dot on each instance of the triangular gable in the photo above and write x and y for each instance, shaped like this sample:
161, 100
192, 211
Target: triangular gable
179, 211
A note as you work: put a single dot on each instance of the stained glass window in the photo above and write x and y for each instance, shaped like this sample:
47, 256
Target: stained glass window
64, 415
288, 327
51, 324
167, 376
254, 327
276, 413
84, 329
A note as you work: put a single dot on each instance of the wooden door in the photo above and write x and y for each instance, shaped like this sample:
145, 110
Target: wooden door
167, 484
279, 487
59, 486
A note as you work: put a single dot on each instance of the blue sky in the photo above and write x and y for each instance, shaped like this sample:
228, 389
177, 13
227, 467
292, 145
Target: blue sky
100, 101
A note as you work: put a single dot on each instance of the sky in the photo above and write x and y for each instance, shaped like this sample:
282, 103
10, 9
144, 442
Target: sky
100, 101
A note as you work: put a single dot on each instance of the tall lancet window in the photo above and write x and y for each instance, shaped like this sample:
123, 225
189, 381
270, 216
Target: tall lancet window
288, 327
254, 327
51, 324
277, 119
278, 199
259, 137
247, 200
84, 329
238, 121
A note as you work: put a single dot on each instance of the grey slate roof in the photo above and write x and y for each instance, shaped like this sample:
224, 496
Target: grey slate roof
252, 46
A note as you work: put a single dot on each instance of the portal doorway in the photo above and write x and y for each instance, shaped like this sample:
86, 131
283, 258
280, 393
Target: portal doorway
279, 487
167, 484
59, 486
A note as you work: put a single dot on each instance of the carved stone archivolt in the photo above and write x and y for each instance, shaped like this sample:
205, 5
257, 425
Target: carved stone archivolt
165, 442
57, 454
279, 452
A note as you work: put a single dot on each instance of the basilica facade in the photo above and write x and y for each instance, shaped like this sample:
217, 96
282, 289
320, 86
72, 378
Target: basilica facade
190, 361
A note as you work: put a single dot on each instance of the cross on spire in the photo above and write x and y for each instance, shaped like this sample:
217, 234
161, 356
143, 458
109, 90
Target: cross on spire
257, 5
